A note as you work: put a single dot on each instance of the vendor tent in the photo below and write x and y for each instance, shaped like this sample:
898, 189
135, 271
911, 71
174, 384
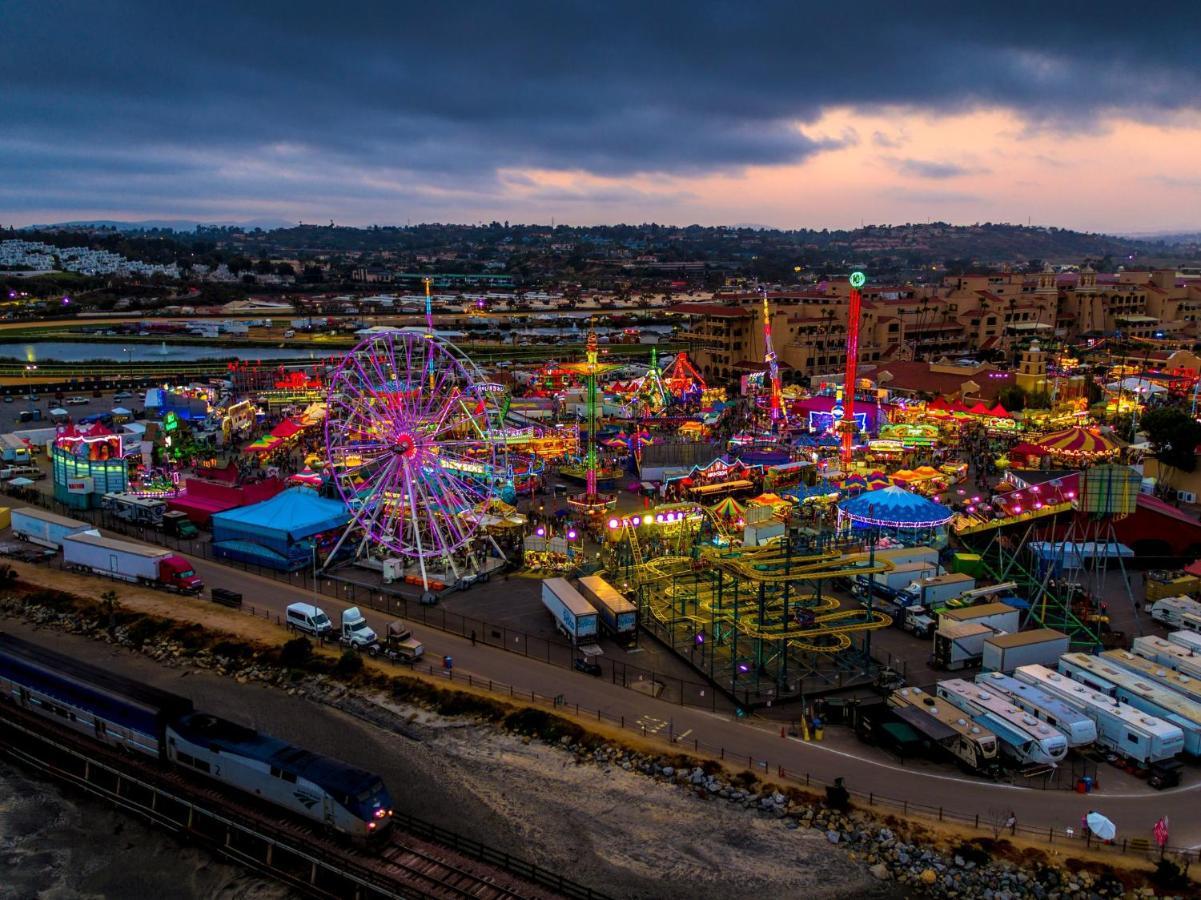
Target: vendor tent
894, 507
282, 526
286, 429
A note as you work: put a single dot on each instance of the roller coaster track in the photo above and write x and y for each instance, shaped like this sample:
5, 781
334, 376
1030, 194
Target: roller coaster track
828, 633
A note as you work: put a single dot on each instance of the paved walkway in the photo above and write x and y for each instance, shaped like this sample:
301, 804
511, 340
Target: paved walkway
1134, 811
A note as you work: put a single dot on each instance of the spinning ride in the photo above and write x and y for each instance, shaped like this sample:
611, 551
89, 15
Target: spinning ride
416, 446
592, 502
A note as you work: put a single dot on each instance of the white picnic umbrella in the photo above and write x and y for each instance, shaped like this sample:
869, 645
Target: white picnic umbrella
21, 482
120, 411
59, 411
1100, 826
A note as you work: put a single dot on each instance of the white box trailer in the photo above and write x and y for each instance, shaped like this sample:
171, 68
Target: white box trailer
1041, 646
997, 616
937, 589
958, 645
46, 528
617, 614
127, 561
574, 616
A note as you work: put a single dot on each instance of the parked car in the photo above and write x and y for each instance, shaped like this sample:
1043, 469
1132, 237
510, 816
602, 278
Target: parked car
588, 666
8, 398
77, 401
123, 395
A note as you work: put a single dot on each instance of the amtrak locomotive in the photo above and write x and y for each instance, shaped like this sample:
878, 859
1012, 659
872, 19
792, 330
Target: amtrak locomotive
138, 719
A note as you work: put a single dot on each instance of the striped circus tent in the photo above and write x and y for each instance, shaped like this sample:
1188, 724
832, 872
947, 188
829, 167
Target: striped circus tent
1077, 444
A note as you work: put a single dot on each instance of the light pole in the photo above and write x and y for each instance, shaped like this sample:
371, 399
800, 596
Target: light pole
28, 391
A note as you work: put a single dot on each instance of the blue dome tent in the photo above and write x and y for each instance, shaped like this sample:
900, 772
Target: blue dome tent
895, 510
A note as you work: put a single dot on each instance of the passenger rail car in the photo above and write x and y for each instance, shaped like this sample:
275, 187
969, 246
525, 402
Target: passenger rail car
124, 714
1023, 737
1078, 728
136, 718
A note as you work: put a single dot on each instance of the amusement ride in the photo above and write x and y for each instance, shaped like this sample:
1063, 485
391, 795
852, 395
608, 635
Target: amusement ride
415, 444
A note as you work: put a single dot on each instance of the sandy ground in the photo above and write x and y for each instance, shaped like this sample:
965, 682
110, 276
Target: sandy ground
639, 838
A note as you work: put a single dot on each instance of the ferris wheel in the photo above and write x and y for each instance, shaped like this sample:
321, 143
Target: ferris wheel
412, 433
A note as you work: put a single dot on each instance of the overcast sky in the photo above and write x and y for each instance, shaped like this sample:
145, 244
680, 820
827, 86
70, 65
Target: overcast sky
791, 114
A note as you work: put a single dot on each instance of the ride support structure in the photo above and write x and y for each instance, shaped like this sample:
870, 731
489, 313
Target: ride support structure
779, 416
854, 314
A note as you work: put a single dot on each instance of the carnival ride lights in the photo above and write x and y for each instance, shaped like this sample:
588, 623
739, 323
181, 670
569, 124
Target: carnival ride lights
413, 444
779, 416
682, 380
854, 313
591, 503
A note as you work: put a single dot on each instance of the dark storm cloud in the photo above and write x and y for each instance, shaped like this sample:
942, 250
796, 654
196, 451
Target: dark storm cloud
926, 168
391, 99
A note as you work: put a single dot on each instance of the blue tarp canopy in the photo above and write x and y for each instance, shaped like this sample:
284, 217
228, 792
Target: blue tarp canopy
1073, 555
894, 507
279, 523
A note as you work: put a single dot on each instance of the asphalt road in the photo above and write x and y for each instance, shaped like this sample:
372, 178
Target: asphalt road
1131, 805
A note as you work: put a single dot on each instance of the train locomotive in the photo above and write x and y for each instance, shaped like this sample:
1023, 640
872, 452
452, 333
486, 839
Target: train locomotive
142, 720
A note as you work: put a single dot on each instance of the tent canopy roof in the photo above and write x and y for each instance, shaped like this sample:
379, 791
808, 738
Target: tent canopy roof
895, 506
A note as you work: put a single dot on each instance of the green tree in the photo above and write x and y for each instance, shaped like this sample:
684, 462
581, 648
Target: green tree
1174, 436
1012, 397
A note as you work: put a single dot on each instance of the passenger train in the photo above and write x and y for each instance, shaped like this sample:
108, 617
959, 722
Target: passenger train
142, 720
1023, 737
1120, 728
1078, 728
972, 744
1142, 693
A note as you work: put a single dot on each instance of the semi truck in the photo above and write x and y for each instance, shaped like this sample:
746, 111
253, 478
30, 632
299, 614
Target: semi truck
937, 590
1040, 646
574, 616
618, 616
135, 509
356, 633
45, 528
127, 561
398, 645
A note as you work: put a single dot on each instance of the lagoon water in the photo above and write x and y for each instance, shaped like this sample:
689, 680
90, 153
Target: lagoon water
64, 351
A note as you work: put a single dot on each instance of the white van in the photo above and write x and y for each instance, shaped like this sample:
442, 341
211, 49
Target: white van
308, 618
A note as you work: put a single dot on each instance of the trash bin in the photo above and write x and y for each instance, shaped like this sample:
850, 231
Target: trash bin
1088, 784
1079, 785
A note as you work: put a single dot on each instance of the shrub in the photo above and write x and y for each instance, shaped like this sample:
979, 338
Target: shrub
296, 653
349, 663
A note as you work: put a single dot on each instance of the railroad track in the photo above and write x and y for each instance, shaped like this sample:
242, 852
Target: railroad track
400, 864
